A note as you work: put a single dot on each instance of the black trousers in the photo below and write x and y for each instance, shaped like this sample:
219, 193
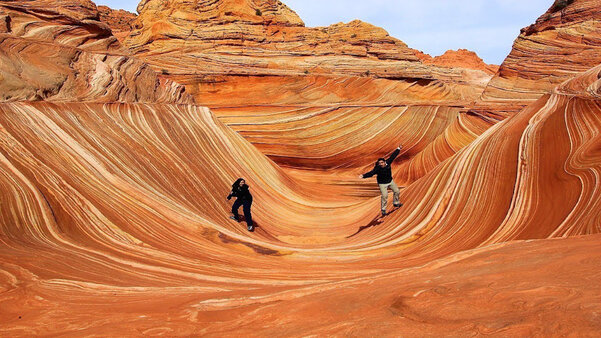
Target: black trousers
246, 204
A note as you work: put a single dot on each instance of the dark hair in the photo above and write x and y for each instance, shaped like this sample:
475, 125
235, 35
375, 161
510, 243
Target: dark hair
237, 183
381, 159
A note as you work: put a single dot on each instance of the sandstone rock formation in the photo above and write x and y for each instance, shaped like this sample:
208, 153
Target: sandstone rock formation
353, 137
71, 9
125, 214
120, 21
269, 66
562, 43
59, 51
114, 218
218, 48
461, 58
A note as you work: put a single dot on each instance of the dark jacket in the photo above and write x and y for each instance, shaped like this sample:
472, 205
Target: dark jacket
384, 174
241, 192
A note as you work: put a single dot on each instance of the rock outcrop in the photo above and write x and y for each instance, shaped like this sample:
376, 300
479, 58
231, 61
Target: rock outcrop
564, 41
461, 58
120, 21
349, 137
59, 51
214, 46
80, 10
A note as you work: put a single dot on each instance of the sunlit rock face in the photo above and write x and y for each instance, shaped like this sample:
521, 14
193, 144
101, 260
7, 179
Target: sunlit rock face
120, 21
563, 42
59, 51
220, 49
244, 11
278, 82
116, 204
348, 139
461, 58
114, 219
75, 9
587, 84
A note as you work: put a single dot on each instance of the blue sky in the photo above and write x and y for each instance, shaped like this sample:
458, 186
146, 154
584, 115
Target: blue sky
487, 27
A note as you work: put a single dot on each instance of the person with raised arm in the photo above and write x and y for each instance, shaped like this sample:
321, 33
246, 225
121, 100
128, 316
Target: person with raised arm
383, 171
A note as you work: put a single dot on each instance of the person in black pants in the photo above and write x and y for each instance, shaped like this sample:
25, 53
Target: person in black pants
243, 198
383, 171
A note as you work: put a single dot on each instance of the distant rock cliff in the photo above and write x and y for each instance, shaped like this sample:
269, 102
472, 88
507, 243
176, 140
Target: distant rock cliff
564, 41
225, 46
120, 21
461, 58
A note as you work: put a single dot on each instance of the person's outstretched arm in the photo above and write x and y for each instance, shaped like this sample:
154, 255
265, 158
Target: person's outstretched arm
229, 197
394, 154
369, 173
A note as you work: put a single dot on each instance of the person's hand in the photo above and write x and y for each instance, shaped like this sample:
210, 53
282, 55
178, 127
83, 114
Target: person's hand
361, 176
401, 146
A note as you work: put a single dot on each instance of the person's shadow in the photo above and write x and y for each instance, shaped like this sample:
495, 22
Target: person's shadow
374, 222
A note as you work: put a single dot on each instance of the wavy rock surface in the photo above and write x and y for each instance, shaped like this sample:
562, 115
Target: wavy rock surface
59, 51
348, 138
121, 202
75, 9
114, 218
520, 289
266, 68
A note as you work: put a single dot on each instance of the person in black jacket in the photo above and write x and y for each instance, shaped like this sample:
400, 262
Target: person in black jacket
383, 171
243, 198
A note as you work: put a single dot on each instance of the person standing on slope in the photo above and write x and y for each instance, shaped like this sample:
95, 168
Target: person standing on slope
384, 176
243, 198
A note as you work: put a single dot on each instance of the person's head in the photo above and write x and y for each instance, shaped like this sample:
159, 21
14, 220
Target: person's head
381, 162
239, 182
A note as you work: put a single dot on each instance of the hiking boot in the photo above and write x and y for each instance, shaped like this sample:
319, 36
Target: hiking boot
398, 205
251, 228
235, 218
383, 213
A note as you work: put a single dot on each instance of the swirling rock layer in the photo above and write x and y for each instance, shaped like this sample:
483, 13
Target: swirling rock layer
531, 285
59, 51
127, 200
256, 60
350, 138
114, 218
